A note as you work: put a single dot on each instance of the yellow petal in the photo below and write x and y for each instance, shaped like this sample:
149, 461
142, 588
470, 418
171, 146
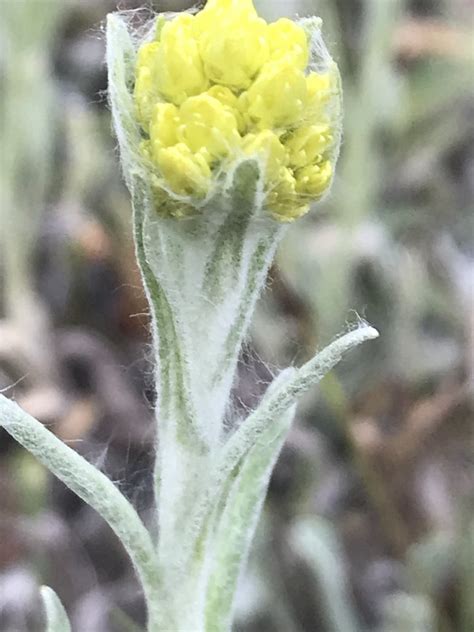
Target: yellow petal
179, 71
287, 38
186, 173
164, 124
314, 180
146, 92
267, 145
230, 101
278, 96
233, 49
205, 123
308, 142
282, 199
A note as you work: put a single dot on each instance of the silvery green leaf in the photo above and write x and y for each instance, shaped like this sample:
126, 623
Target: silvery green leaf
315, 541
56, 616
91, 486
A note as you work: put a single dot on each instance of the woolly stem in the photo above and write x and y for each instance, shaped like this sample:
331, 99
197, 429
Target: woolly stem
237, 521
281, 396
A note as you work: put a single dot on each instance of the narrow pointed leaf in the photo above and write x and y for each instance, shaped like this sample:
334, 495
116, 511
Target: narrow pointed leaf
56, 616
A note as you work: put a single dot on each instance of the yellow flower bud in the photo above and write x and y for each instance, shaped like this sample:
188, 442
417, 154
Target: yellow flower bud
224, 95
235, 49
267, 145
185, 172
282, 199
314, 179
278, 96
178, 70
223, 83
306, 143
146, 91
206, 124
319, 91
230, 101
287, 38
164, 125
216, 10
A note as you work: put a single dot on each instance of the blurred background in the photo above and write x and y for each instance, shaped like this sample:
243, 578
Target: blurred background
369, 521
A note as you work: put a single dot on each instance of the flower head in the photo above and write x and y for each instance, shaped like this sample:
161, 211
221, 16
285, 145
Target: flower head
222, 86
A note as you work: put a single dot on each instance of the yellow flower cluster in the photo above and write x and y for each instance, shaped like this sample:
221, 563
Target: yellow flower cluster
223, 84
